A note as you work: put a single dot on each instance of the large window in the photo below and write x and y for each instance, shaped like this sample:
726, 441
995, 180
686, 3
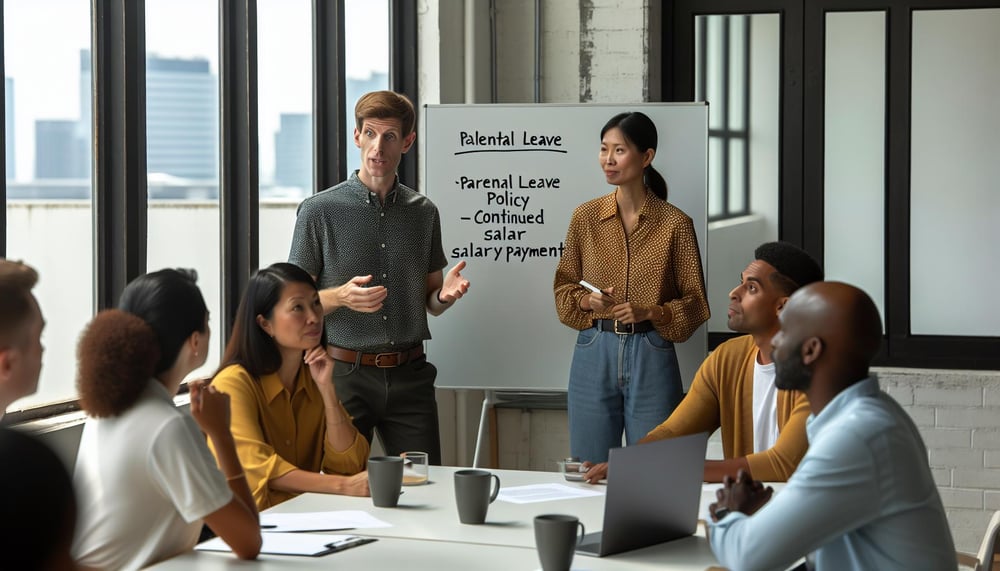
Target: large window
887, 154
284, 95
367, 62
48, 210
182, 148
196, 204
722, 52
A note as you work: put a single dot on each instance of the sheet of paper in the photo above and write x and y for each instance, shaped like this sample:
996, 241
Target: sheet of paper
283, 543
545, 493
319, 521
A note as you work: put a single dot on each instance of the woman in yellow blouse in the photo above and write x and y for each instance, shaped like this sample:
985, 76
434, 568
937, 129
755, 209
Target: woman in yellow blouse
642, 254
292, 433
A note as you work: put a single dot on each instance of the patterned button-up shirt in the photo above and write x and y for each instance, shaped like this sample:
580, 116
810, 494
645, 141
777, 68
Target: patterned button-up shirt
345, 231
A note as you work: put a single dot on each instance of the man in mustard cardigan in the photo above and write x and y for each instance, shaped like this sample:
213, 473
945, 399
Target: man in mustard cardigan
763, 428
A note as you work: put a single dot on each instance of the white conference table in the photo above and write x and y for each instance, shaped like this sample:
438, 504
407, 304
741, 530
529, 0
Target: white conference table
426, 533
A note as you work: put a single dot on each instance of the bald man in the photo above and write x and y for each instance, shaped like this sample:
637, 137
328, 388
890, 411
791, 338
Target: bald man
863, 496
21, 326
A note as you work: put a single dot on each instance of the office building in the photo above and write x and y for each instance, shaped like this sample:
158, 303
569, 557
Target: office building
59, 150
182, 110
181, 118
293, 151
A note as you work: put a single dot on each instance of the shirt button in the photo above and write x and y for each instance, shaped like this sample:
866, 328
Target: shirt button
382, 214
383, 275
383, 245
392, 342
384, 317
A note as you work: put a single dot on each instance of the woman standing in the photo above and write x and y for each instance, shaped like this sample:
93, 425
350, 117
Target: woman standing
642, 252
288, 423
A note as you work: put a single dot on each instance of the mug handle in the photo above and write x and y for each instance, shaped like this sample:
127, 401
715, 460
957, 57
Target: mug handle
583, 532
496, 489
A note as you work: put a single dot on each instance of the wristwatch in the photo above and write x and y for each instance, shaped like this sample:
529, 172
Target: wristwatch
721, 513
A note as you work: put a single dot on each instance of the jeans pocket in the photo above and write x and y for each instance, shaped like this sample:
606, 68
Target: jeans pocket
657, 343
587, 337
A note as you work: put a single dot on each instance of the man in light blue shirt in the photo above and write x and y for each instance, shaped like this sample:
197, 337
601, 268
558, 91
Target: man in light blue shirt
863, 496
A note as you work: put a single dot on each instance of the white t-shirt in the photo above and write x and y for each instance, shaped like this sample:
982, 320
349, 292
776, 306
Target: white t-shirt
765, 407
144, 480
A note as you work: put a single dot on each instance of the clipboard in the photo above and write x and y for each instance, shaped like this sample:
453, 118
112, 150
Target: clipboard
301, 544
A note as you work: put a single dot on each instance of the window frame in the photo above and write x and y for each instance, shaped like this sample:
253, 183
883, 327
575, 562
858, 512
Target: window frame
801, 211
119, 138
727, 133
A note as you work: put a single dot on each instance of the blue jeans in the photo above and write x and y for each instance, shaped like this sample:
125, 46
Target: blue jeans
617, 382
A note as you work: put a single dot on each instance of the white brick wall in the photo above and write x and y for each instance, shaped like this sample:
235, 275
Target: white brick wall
958, 413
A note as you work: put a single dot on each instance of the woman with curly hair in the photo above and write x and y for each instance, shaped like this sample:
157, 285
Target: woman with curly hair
293, 435
145, 477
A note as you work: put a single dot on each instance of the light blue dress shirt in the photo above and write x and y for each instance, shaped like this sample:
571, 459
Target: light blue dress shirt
862, 497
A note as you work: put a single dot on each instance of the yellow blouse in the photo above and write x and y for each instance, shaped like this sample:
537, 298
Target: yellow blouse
658, 264
277, 432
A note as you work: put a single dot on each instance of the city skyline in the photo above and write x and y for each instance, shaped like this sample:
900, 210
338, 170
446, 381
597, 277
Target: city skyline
42, 45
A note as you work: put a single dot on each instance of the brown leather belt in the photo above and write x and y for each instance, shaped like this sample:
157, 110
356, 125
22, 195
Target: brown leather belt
620, 328
380, 360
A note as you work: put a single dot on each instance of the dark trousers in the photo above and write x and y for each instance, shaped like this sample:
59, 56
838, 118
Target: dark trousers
398, 403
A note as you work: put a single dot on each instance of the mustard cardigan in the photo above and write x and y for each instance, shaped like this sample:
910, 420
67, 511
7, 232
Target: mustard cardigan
721, 395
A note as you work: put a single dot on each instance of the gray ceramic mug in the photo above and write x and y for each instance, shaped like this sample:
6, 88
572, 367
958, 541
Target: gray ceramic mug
473, 496
556, 539
385, 477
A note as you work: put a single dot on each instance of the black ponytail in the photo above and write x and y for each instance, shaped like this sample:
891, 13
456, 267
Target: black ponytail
654, 180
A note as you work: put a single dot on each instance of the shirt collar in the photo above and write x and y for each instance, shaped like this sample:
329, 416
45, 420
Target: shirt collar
366, 194
864, 388
608, 206
272, 387
155, 389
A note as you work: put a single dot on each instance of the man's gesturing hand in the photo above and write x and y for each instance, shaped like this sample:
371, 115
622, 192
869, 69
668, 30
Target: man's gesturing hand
355, 296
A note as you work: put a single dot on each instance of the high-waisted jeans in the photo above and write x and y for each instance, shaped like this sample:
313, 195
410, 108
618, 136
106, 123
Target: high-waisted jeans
619, 382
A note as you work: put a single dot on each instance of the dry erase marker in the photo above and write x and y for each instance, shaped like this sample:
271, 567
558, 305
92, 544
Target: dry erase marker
590, 286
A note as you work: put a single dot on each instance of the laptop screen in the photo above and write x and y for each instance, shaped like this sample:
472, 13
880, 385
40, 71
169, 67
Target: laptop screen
653, 494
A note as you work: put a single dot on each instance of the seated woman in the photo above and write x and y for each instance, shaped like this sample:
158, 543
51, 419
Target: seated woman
293, 435
145, 478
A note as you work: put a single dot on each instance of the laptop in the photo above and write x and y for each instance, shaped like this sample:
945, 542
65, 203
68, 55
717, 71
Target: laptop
653, 495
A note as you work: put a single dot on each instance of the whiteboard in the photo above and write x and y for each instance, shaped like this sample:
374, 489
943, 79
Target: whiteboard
506, 179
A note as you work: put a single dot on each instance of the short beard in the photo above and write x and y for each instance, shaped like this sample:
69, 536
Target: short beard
791, 373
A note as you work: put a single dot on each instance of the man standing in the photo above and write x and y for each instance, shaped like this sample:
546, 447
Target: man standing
863, 496
374, 246
763, 429
21, 327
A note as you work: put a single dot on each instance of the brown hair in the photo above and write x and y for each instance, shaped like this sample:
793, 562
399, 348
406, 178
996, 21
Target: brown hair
386, 105
116, 355
16, 302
